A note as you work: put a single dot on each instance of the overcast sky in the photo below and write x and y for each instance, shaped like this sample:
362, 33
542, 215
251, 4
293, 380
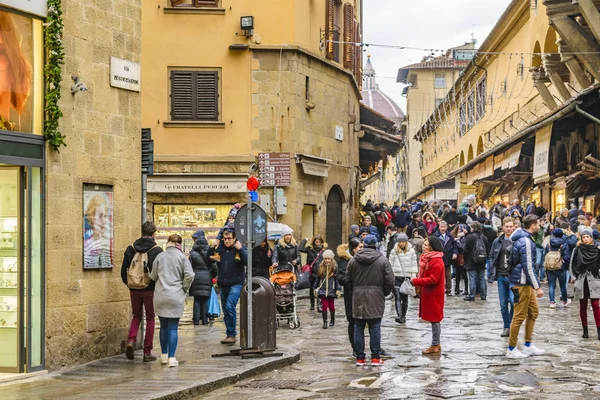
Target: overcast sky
439, 24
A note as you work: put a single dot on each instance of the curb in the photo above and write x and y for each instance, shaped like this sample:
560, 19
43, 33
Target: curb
290, 357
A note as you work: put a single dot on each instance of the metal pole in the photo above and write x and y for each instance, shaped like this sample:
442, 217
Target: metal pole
249, 246
275, 203
144, 196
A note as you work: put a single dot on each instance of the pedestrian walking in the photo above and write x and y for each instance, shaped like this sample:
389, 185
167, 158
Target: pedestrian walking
585, 264
368, 224
403, 218
403, 259
450, 251
392, 239
231, 276
525, 287
345, 252
354, 232
313, 248
173, 275
417, 240
460, 232
261, 260
500, 260
286, 250
475, 253
432, 283
205, 271
327, 287
142, 254
557, 266
371, 278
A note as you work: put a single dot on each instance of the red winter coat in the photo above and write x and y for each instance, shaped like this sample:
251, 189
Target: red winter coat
432, 281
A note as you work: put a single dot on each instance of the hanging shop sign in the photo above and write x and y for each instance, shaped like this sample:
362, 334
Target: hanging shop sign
35, 7
511, 157
542, 151
196, 184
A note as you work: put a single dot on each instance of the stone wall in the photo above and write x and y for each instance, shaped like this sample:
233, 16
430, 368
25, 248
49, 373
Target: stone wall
88, 312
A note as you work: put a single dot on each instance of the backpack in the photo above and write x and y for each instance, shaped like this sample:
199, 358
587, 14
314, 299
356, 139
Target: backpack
479, 251
553, 260
388, 218
138, 274
380, 218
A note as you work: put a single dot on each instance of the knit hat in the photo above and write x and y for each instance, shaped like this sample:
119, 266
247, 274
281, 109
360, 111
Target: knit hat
353, 227
328, 254
198, 234
364, 229
587, 231
558, 233
402, 237
370, 241
286, 231
435, 243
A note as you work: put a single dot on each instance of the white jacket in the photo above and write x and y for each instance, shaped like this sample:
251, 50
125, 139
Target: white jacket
404, 261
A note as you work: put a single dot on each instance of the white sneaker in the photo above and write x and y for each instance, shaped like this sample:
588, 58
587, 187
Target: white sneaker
532, 350
164, 359
173, 362
515, 353
566, 303
552, 304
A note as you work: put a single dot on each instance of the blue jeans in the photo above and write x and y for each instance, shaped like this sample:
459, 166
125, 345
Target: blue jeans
539, 264
562, 282
168, 335
477, 283
375, 337
230, 295
506, 299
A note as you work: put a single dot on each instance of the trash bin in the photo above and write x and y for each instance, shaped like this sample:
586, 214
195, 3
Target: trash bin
263, 313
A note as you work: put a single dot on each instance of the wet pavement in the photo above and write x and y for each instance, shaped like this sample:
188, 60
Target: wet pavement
472, 364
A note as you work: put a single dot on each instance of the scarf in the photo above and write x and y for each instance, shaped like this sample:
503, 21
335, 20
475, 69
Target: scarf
587, 259
426, 259
430, 226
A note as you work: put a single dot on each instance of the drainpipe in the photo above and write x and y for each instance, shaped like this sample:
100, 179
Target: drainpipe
587, 115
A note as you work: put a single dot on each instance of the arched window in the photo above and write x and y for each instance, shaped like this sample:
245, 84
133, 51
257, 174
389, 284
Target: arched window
480, 145
462, 159
470, 154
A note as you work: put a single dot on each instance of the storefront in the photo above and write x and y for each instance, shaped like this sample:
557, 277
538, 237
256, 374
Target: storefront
22, 276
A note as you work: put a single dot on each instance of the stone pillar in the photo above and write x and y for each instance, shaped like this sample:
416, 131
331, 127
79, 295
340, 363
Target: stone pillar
579, 42
554, 68
591, 15
539, 84
573, 64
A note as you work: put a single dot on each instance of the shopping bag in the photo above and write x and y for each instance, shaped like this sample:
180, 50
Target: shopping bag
407, 288
302, 280
214, 308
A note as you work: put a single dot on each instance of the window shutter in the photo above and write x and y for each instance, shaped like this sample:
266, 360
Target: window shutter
329, 19
182, 84
175, 3
358, 62
207, 95
349, 53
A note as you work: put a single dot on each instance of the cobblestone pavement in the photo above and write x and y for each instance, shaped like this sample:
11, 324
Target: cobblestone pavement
472, 364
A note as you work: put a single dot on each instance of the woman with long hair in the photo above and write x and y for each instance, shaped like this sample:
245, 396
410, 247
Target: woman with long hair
327, 286
174, 275
585, 264
432, 282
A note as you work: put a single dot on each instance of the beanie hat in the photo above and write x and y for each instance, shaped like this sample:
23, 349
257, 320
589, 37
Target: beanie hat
370, 241
198, 234
328, 254
558, 233
587, 231
353, 227
364, 229
286, 231
402, 237
435, 243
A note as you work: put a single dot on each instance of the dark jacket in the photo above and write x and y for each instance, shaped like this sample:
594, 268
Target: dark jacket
491, 235
517, 208
371, 278
232, 269
391, 244
373, 230
204, 269
500, 258
286, 253
261, 261
403, 218
451, 218
412, 226
145, 245
470, 248
327, 286
314, 256
343, 260
570, 244
523, 259
450, 247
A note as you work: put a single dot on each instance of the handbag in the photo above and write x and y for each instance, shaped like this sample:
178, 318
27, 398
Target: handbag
307, 267
407, 288
214, 308
302, 280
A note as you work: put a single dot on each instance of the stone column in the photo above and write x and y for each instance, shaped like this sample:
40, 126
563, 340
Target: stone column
554, 68
538, 82
573, 64
591, 14
579, 42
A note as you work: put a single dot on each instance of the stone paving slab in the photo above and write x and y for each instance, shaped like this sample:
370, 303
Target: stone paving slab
118, 378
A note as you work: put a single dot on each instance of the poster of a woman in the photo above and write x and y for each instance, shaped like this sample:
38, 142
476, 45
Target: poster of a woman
15, 72
97, 229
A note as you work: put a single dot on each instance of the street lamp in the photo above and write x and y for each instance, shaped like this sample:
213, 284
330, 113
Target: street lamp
247, 25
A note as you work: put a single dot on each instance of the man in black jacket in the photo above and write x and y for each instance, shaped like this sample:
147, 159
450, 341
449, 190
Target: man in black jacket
500, 260
450, 252
475, 253
392, 239
141, 299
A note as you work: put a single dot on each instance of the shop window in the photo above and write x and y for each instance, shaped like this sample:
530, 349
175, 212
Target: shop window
471, 119
481, 98
195, 95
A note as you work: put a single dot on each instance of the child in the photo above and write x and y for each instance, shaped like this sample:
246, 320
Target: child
327, 286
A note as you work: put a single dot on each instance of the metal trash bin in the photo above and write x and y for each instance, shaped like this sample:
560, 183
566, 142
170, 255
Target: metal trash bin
263, 312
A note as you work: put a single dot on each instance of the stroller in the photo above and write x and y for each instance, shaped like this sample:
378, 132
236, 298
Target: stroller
284, 281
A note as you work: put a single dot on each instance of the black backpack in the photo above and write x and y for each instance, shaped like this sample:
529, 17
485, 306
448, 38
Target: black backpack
479, 254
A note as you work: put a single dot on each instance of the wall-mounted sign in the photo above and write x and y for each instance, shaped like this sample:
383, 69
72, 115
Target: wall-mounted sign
339, 133
274, 169
196, 184
316, 169
35, 7
125, 74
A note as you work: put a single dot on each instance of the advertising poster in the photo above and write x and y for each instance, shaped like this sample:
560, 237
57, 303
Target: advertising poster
16, 60
98, 235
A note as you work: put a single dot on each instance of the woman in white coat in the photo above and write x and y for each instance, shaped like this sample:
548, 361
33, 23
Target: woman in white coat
403, 259
174, 275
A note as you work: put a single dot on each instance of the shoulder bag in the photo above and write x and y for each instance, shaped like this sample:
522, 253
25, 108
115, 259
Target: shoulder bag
308, 267
406, 288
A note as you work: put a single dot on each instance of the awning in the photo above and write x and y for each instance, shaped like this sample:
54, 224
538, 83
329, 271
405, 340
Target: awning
312, 165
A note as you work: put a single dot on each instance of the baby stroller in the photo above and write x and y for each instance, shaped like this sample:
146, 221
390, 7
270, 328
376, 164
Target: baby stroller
284, 281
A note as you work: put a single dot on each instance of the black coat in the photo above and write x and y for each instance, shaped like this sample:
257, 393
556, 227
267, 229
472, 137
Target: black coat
261, 261
286, 253
204, 269
314, 256
450, 247
468, 251
344, 258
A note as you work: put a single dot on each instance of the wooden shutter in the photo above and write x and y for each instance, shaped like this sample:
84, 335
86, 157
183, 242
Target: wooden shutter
349, 53
358, 57
207, 95
329, 19
182, 104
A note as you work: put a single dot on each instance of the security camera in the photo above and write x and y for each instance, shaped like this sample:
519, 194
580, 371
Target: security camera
79, 86
253, 168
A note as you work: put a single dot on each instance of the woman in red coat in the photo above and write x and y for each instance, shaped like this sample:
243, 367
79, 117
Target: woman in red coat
432, 282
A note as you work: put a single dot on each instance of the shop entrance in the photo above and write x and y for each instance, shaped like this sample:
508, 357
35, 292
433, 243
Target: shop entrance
335, 201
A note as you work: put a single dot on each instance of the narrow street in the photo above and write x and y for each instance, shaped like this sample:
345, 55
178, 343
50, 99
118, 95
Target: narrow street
472, 363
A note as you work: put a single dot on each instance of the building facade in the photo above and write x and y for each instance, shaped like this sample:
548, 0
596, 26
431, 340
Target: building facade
66, 216
288, 88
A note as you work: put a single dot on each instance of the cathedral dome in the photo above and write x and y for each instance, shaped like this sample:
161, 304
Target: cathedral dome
376, 99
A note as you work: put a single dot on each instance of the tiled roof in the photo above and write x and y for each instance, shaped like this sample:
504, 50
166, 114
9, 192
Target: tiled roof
439, 63
383, 104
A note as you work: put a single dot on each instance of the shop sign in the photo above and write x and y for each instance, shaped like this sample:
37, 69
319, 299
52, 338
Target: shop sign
542, 150
445, 194
158, 184
35, 7
315, 169
124, 74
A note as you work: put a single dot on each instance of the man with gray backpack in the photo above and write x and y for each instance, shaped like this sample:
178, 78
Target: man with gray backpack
135, 273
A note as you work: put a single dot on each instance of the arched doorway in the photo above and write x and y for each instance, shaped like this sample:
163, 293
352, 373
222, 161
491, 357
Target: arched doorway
333, 229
